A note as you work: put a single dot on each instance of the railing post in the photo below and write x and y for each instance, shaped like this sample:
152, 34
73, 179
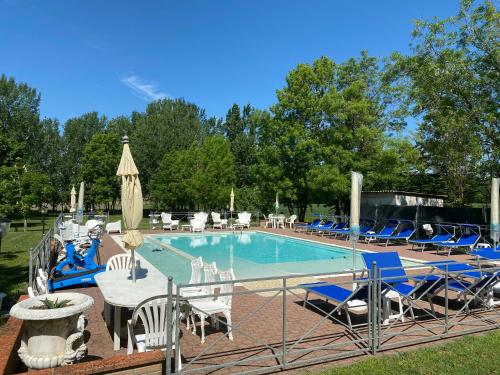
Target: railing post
30, 276
283, 328
168, 349
446, 296
374, 306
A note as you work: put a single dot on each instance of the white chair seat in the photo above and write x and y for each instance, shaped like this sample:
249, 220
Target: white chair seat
208, 306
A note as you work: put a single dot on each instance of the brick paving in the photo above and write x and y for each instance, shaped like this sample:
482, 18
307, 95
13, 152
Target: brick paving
258, 320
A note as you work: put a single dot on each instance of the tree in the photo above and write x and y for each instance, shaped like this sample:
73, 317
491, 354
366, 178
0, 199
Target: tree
168, 125
450, 83
100, 161
78, 132
199, 177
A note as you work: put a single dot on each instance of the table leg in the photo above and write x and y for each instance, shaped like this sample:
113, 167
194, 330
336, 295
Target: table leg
116, 333
107, 313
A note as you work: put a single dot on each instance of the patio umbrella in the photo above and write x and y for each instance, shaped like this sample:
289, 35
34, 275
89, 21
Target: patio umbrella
73, 200
231, 202
356, 186
277, 204
495, 216
131, 201
79, 209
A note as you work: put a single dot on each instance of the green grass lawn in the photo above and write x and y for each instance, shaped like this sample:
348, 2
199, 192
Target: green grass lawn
14, 256
476, 355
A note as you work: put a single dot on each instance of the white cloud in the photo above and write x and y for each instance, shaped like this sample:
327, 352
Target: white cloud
145, 90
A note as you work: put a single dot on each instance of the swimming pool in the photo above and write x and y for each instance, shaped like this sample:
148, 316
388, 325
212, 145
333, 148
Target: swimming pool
250, 254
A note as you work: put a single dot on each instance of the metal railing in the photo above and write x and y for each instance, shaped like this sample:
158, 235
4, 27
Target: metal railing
276, 327
40, 258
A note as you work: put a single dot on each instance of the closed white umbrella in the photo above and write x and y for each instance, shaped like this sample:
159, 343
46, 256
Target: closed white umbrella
231, 201
72, 207
495, 216
277, 203
356, 187
131, 201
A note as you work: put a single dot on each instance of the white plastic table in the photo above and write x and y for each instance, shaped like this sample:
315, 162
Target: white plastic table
119, 291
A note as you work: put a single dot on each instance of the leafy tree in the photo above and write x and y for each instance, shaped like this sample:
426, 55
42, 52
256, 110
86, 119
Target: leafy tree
120, 125
19, 117
77, 134
450, 83
99, 164
196, 178
166, 126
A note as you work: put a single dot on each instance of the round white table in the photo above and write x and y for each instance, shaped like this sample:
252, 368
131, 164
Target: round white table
119, 291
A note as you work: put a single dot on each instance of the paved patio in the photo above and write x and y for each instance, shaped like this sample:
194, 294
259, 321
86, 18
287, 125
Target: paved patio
258, 321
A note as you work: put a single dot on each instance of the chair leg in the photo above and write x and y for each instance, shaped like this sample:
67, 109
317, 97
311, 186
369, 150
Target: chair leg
305, 299
179, 360
202, 321
194, 323
227, 314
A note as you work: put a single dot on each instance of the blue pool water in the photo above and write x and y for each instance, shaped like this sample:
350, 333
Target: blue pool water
250, 254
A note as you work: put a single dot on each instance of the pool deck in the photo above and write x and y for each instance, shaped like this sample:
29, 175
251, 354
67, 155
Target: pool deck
266, 323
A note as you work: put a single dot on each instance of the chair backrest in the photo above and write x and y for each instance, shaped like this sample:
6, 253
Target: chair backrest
468, 239
197, 224
391, 260
196, 267
119, 262
152, 313
328, 224
166, 218
315, 223
201, 216
407, 231
216, 217
292, 219
389, 228
244, 217
227, 275
210, 272
90, 224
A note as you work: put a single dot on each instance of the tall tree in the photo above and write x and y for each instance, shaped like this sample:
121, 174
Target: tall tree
166, 126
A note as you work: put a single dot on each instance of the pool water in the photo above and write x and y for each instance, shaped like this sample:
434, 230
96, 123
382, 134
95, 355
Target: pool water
250, 254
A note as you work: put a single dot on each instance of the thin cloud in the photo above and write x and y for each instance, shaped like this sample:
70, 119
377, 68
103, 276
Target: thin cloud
145, 90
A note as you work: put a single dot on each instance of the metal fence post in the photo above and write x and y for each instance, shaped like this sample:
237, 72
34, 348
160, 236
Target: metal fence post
374, 307
168, 349
283, 328
30, 276
446, 296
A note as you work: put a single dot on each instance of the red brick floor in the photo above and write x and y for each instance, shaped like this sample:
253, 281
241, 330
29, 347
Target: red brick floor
258, 321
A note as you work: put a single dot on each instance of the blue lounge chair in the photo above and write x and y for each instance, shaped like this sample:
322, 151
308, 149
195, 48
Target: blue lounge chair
394, 280
316, 223
342, 227
444, 233
488, 254
388, 229
406, 230
344, 298
480, 287
471, 234
326, 226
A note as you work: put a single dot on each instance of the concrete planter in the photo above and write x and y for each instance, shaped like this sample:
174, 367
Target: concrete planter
52, 337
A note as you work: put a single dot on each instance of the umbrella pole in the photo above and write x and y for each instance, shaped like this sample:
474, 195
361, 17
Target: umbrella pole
354, 242
133, 264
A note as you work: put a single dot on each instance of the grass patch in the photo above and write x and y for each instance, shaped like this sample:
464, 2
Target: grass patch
14, 255
476, 355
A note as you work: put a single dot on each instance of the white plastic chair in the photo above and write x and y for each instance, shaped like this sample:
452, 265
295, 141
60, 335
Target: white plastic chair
218, 222
119, 262
115, 226
214, 307
197, 225
201, 216
281, 221
244, 219
291, 220
152, 313
167, 221
268, 221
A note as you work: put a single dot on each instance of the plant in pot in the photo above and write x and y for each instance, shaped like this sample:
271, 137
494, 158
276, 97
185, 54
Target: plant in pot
53, 329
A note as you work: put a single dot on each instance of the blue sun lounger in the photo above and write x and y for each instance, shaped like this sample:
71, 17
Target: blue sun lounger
407, 230
342, 227
480, 286
487, 254
395, 283
469, 238
321, 228
316, 223
388, 229
344, 298
444, 233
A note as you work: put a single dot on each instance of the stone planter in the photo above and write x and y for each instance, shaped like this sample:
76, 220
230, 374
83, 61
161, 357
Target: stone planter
52, 337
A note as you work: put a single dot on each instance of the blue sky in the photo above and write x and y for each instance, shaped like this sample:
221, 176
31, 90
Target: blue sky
116, 56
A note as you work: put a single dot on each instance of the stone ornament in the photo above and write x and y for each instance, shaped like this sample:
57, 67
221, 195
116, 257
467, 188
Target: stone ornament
52, 337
